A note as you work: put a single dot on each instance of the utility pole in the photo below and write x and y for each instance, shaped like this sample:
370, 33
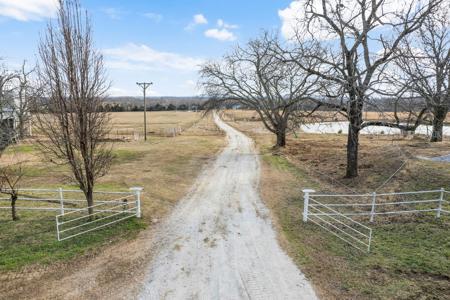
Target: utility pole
144, 86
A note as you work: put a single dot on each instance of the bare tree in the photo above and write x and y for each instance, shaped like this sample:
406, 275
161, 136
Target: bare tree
424, 60
7, 106
27, 92
74, 81
10, 177
255, 77
351, 42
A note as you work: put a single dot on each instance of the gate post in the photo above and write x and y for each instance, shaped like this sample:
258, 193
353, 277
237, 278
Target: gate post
306, 195
61, 200
441, 198
137, 192
372, 211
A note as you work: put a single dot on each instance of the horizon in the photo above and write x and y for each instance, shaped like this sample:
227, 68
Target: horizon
151, 41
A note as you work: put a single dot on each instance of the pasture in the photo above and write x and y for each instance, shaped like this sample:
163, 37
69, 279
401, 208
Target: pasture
165, 166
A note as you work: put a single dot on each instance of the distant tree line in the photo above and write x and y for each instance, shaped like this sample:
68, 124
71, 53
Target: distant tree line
120, 107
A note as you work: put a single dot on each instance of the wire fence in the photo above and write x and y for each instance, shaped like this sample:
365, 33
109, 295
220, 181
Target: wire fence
343, 214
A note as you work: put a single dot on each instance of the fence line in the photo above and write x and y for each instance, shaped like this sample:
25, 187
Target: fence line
311, 211
122, 203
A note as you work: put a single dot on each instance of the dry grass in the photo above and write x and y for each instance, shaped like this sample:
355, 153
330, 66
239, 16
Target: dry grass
409, 257
165, 166
160, 123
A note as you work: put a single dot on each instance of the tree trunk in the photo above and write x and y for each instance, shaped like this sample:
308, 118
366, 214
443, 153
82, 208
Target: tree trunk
281, 137
21, 128
438, 124
352, 151
90, 200
13, 208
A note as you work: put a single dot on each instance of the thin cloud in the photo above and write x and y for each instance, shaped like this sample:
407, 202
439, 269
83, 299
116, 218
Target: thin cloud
142, 57
221, 23
113, 12
154, 17
28, 10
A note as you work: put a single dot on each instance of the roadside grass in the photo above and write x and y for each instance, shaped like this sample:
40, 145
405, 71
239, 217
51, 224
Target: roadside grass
164, 166
409, 259
410, 255
32, 240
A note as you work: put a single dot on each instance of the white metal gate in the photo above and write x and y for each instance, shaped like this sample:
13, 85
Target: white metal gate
339, 218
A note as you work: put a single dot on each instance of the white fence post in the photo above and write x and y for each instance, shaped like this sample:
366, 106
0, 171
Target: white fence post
57, 229
306, 195
137, 192
61, 200
372, 211
441, 198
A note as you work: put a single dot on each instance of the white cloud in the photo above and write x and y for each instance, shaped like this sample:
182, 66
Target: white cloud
116, 92
28, 10
223, 32
296, 13
142, 57
220, 34
221, 23
198, 19
189, 83
289, 18
154, 17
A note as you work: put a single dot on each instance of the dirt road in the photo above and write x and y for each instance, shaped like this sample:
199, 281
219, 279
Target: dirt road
219, 242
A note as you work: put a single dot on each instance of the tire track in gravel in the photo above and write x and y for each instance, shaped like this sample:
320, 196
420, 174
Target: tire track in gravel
219, 242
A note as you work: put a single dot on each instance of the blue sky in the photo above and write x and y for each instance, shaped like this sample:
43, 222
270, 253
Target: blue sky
152, 40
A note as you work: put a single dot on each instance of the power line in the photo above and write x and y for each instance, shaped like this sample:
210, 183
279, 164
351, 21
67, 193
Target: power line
144, 86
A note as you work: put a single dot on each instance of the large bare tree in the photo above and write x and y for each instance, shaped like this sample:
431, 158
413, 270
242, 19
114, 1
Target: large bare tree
424, 61
352, 41
255, 77
72, 73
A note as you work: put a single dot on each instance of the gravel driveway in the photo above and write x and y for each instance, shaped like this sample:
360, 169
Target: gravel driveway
219, 242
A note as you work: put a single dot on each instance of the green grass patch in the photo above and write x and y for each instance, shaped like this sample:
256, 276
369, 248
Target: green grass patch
32, 239
124, 155
21, 148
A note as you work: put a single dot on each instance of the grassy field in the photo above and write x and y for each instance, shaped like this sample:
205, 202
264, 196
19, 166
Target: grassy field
165, 166
410, 256
163, 123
